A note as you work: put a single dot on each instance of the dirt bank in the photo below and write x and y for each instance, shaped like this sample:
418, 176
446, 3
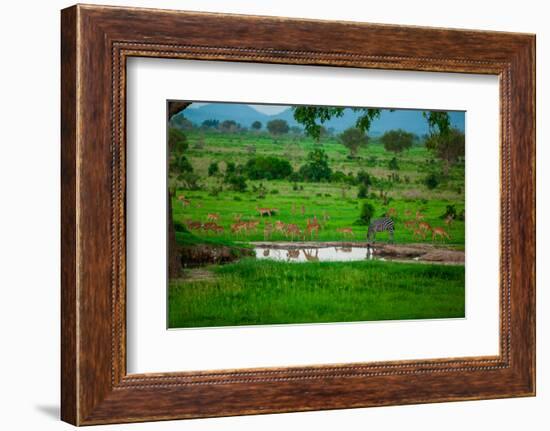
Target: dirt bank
202, 254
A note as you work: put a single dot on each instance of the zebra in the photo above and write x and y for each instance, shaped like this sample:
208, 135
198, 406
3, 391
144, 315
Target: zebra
380, 225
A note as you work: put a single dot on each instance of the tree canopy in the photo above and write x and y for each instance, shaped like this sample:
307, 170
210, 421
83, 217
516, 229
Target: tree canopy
449, 147
256, 125
177, 141
397, 140
278, 127
267, 167
316, 169
229, 126
309, 115
210, 124
353, 139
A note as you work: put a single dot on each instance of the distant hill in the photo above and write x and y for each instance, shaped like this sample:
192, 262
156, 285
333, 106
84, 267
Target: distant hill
407, 119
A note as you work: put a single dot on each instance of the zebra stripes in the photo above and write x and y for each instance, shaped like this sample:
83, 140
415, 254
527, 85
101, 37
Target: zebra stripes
380, 225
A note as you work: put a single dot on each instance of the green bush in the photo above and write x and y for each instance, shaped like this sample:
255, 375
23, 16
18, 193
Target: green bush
431, 181
338, 177
180, 227
316, 169
230, 168
213, 169
363, 191
236, 183
177, 141
393, 165
367, 211
364, 178
180, 164
268, 168
372, 161
449, 212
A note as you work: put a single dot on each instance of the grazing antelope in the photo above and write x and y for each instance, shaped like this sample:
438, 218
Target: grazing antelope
280, 226
238, 227
380, 225
184, 201
419, 216
212, 226
449, 220
392, 212
310, 255
424, 226
268, 231
252, 225
292, 230
439, 231
346, 231
213, 217
312, 226
265, 211
410, 224
193, 224
419, 233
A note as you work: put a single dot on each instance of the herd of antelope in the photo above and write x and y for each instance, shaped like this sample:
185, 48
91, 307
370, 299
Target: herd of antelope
421, 228
416, 224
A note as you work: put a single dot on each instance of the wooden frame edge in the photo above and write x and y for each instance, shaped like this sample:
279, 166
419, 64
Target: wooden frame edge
93, 393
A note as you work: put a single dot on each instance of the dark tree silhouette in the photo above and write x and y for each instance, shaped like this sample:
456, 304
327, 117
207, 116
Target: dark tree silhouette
174, 253
397, 141
277, 127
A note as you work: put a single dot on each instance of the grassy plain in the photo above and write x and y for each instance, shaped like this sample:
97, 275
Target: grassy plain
252, 292
335, 204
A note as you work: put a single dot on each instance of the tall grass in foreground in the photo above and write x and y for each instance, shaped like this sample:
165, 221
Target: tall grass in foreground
259, 292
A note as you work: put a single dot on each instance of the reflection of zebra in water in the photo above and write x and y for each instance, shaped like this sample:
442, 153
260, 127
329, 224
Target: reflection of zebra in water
380, 225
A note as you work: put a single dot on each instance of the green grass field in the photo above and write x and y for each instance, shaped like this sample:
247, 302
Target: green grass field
334, 204
252, 292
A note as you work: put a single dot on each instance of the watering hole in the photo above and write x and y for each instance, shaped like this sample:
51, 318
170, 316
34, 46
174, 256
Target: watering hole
317, 254
347, 252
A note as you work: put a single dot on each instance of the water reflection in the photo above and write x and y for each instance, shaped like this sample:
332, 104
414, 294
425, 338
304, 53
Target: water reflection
316, 254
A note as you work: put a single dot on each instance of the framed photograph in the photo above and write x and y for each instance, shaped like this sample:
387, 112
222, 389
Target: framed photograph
287, 215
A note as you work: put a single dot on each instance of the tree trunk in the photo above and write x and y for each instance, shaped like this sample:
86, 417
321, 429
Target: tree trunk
174, 253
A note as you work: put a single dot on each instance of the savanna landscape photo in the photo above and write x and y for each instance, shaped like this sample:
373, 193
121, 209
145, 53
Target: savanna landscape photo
313, 214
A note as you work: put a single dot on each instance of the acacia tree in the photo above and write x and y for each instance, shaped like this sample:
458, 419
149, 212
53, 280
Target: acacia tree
353, 139
229, 126
449, 147
397, 141
446, 142
278, 127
